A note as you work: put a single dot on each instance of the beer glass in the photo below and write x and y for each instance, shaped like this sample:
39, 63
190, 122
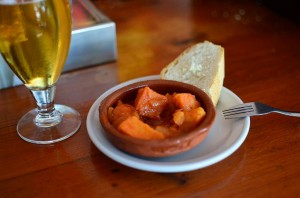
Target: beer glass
34, 41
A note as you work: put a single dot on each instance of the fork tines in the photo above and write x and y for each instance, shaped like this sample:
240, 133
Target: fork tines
238, 111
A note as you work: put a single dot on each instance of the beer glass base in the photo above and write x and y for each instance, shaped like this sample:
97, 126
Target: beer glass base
32, 133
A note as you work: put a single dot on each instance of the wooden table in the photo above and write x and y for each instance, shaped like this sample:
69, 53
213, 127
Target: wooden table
262, 64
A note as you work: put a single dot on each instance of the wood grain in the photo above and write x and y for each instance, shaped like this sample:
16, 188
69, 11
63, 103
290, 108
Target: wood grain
262, 64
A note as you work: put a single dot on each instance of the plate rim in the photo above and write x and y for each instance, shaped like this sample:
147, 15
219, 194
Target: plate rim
154, 166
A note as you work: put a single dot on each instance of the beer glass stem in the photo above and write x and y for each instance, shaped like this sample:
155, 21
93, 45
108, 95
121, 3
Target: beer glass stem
47, 115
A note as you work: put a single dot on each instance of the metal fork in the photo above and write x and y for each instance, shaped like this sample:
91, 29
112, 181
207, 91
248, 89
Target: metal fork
253, 109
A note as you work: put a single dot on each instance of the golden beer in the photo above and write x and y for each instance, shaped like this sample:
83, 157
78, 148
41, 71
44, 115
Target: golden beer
35, 39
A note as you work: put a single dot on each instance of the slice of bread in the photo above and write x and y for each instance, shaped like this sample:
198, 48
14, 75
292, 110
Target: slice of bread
201, 65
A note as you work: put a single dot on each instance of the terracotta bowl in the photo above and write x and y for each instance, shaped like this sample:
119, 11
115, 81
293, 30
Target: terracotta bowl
164, 147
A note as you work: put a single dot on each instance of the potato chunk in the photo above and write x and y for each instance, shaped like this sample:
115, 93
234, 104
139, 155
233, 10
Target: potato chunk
185, 101
187, 120
149, 103
120, 113
134, 127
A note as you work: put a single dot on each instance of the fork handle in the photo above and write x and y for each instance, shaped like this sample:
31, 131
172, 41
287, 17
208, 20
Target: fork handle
288, 113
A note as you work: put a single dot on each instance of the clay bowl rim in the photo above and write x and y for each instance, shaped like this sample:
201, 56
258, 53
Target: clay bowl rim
201, 96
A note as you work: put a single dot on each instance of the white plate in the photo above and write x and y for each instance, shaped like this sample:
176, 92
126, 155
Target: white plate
225, 137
